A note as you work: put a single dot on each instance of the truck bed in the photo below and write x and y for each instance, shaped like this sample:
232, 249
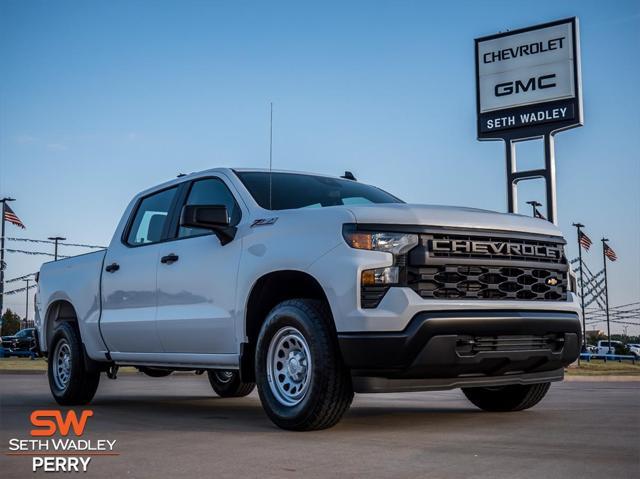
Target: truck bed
77, 281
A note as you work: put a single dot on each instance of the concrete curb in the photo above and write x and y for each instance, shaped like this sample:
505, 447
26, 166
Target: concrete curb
611, 379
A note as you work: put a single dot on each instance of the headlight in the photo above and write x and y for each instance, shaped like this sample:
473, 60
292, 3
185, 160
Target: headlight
374, 283
387, 242
380, 276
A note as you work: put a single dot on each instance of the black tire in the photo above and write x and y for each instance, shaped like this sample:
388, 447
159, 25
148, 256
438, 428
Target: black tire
155, 372
327, 391
227, 384
81, 385
507, 398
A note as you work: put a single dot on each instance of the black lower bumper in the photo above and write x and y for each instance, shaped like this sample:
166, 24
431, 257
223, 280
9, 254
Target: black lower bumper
454, 344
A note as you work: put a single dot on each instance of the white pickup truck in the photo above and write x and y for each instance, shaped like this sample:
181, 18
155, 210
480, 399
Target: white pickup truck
313, 288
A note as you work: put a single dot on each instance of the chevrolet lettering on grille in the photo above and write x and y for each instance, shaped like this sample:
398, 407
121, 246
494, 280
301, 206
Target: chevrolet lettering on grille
501, 248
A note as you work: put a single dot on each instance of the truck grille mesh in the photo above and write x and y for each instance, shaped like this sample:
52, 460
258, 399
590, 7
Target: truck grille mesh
470, 345
487, 282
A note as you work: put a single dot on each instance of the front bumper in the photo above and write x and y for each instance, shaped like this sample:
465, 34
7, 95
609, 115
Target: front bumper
449, 346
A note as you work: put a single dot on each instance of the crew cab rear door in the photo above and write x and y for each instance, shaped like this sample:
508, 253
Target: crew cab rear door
197, 279
129, 293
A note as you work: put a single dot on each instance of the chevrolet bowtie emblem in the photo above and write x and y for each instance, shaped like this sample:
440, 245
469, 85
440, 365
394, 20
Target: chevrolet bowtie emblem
552, 281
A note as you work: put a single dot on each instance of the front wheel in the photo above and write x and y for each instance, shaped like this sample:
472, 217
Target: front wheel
507, 398
302, 381
227, 384
70, 382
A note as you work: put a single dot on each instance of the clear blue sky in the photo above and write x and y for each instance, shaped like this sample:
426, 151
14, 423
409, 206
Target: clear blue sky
99, 100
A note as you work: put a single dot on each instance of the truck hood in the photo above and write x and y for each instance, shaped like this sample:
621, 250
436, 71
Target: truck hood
451, 217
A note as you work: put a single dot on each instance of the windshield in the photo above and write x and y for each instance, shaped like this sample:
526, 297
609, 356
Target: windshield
293, 190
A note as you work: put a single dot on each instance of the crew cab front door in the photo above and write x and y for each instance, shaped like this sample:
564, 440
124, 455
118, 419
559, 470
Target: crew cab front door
197, 280
129, 289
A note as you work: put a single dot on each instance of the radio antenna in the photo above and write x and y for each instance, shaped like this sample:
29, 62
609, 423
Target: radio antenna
271, 155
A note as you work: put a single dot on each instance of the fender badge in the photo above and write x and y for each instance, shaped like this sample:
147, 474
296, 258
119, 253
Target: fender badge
264, 221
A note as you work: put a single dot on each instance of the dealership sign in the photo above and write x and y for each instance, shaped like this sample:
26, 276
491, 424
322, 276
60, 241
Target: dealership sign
528, 81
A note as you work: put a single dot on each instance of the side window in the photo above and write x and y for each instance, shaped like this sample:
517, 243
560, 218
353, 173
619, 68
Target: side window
211, 191
151, 216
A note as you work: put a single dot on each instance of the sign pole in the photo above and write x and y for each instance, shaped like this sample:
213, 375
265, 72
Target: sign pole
550, 177
512, 190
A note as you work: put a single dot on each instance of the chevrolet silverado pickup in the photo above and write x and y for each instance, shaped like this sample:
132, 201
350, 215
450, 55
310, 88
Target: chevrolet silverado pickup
313, 288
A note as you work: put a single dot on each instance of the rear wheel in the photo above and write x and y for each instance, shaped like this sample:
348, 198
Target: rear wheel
227, 384
70, 382
302, 381
507, 398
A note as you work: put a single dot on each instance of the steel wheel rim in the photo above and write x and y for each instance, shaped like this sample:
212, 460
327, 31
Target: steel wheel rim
223, 377
289, 366
62, 364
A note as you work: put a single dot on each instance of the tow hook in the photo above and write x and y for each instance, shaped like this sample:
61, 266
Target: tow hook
112, 372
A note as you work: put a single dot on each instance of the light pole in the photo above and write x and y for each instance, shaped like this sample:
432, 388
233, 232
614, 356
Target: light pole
26, 306
534, 204
56, 239
2, 265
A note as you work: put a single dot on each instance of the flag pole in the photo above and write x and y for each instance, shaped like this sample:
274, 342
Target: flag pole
606, 293
584, 321
2, 264
2, 261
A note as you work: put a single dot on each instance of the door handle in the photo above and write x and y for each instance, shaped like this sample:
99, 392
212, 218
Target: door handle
170, 258
112, 268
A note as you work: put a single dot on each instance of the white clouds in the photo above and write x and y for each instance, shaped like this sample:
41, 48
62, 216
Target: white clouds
56, 147
25, 139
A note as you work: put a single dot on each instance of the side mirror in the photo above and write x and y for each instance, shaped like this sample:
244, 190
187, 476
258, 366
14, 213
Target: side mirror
211, 217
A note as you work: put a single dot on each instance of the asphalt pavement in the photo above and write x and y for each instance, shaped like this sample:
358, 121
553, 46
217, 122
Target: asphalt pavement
177, 427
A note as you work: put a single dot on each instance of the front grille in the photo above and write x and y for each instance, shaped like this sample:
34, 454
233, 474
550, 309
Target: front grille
487, 282
481, 266
470, 345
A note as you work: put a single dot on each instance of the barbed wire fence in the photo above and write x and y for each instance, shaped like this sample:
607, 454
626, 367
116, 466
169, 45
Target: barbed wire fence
595, 310
37, 253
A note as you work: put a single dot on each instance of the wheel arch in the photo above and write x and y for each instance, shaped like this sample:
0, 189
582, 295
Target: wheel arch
59, 310
269, 290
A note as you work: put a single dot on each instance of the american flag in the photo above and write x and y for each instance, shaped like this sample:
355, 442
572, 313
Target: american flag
584, 241
609, 253
11, 217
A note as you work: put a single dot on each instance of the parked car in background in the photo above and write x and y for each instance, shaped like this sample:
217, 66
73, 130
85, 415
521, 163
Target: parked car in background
23, 342
605, 348
634, 348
